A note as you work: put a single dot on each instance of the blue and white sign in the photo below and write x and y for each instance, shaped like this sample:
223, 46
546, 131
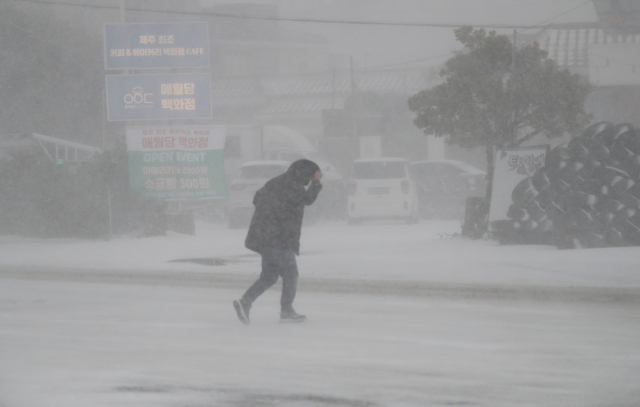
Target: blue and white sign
149, 46
158, 97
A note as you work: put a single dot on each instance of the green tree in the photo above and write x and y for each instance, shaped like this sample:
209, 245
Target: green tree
484, 101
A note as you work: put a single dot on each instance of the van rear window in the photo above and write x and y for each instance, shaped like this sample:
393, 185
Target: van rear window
379, 170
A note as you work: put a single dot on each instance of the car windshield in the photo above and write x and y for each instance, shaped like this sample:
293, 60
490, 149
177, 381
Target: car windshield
379, 170
261, 171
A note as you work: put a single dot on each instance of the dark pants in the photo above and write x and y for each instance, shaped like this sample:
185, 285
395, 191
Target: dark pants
275, 263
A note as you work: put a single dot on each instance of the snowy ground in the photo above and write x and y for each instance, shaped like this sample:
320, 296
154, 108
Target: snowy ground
399, 315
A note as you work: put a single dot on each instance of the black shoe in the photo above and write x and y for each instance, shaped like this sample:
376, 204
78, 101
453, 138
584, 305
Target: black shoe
291, 316
242, 309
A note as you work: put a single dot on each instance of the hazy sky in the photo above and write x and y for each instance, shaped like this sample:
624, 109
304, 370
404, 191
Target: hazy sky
381, 46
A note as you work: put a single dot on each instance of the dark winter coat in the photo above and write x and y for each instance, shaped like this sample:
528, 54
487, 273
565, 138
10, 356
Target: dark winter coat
279, 204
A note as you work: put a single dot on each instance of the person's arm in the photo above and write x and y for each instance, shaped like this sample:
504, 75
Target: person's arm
314, 189
312, 192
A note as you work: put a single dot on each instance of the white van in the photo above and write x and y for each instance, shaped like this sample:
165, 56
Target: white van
380, 188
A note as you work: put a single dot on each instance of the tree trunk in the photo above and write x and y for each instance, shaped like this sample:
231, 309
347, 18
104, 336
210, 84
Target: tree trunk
489, 151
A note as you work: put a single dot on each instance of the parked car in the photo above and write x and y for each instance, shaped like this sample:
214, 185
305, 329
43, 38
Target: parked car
381, 188
444, 186
251, 177
332, 200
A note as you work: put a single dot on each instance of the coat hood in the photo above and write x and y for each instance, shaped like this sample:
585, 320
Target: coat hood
303, 170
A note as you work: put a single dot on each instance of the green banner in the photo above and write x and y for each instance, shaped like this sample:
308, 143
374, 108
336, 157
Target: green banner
177, 162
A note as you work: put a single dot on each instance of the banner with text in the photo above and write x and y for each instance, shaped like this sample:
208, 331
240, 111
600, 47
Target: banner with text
157, 97
512, 165
177, 162
163, 45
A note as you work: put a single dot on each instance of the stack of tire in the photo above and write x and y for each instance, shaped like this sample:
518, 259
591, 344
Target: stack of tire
587, 194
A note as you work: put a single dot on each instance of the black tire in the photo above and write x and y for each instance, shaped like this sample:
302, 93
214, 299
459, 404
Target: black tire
590, 240
600, 133
607, 177
601, 153
518, 213
635, 191
555, 159
590, 186
541, 180
630, 201
563, 240
620, 185
585, 218
568, 175
524, 192
585, 169
612, 206
577, 150
626, 135
620, 152
580, 199
545, 225
632, 167
556, 210
624, 214
614, 237
536, 211
507, 232
631, 231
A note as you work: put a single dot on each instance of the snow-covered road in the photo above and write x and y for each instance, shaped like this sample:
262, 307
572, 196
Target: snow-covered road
398, 316
82, 344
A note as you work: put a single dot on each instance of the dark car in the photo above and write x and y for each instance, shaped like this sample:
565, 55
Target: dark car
444, 186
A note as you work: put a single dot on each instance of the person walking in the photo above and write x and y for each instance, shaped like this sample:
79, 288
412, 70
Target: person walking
274, 233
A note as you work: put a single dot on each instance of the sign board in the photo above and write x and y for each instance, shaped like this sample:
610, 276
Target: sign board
157, 97
512, 165
149, 46
177, 162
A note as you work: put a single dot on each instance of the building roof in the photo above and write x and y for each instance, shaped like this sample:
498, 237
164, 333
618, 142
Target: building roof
569, 47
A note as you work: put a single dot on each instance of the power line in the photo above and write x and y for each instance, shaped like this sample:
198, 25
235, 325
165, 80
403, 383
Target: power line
298, 19
311, 20
542, 24
566, 12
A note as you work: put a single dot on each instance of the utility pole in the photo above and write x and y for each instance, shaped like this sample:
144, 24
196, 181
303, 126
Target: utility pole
353, 82
104, 96
514, 131
333, 88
